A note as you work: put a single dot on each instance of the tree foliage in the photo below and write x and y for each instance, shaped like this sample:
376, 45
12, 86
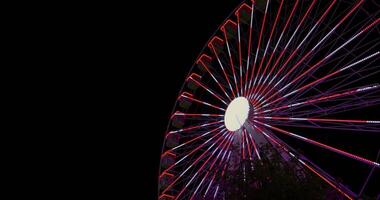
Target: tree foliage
274, 178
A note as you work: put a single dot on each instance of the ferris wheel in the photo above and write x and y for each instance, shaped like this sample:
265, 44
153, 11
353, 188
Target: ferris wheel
276, 71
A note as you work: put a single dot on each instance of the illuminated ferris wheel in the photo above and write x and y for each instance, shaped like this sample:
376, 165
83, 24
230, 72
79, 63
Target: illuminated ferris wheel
275, 71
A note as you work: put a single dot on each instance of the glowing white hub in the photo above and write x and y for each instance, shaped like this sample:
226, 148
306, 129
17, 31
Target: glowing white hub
236, 113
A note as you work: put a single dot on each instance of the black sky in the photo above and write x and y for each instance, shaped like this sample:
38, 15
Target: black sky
175, 36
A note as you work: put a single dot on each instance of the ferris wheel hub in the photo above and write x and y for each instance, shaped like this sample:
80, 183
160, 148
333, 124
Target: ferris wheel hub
236, 113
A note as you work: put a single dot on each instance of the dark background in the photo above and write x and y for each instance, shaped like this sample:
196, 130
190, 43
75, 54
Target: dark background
176, 35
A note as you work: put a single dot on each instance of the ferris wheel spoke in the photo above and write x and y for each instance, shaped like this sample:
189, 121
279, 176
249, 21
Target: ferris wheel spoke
240, 59
196, 138
205, 87
311, 166
226, 139
315, 47
325, 77
194, 150
177, 113
358, 128
221, 165
195, 162
328, 56
369, 73
242, 13
289, 41
249, 48
247, 146
322, 120
224, 149
278, 41
322, 60
249, 150
190, 97
223, 28
363, 73
209, 185
267, 46
201, 61
223, 172
345, 105
196, 127
325, 179
333, 77
242, 146
211, 45
166, 196
259, 43
254, 147
323, 92
310, 141
323, 98
338, 102
222, 162
348, 52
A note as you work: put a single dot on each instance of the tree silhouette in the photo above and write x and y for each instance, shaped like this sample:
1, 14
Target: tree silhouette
274, 178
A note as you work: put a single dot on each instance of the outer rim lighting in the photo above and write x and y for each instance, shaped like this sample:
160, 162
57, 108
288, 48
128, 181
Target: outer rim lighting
236, 113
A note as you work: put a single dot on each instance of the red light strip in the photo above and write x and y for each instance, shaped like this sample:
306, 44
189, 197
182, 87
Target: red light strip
259, 42
366, 161
248, 146
350, 92
201, 102
278, 41
325, 77
249, 49
213, 77
195, 127
311, 51
286, 46
195, 115
168, 153
229, 52
242, 143
165, 195
224, 148
211, 45
322, 120
196, 161
207, 89
325, 58
266, 48
194, 150
203, 165
220, 163
254, 146
325, 179
306, 165
240, 59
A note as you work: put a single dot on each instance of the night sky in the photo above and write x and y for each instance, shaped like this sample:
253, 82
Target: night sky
173, 38
178, 34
